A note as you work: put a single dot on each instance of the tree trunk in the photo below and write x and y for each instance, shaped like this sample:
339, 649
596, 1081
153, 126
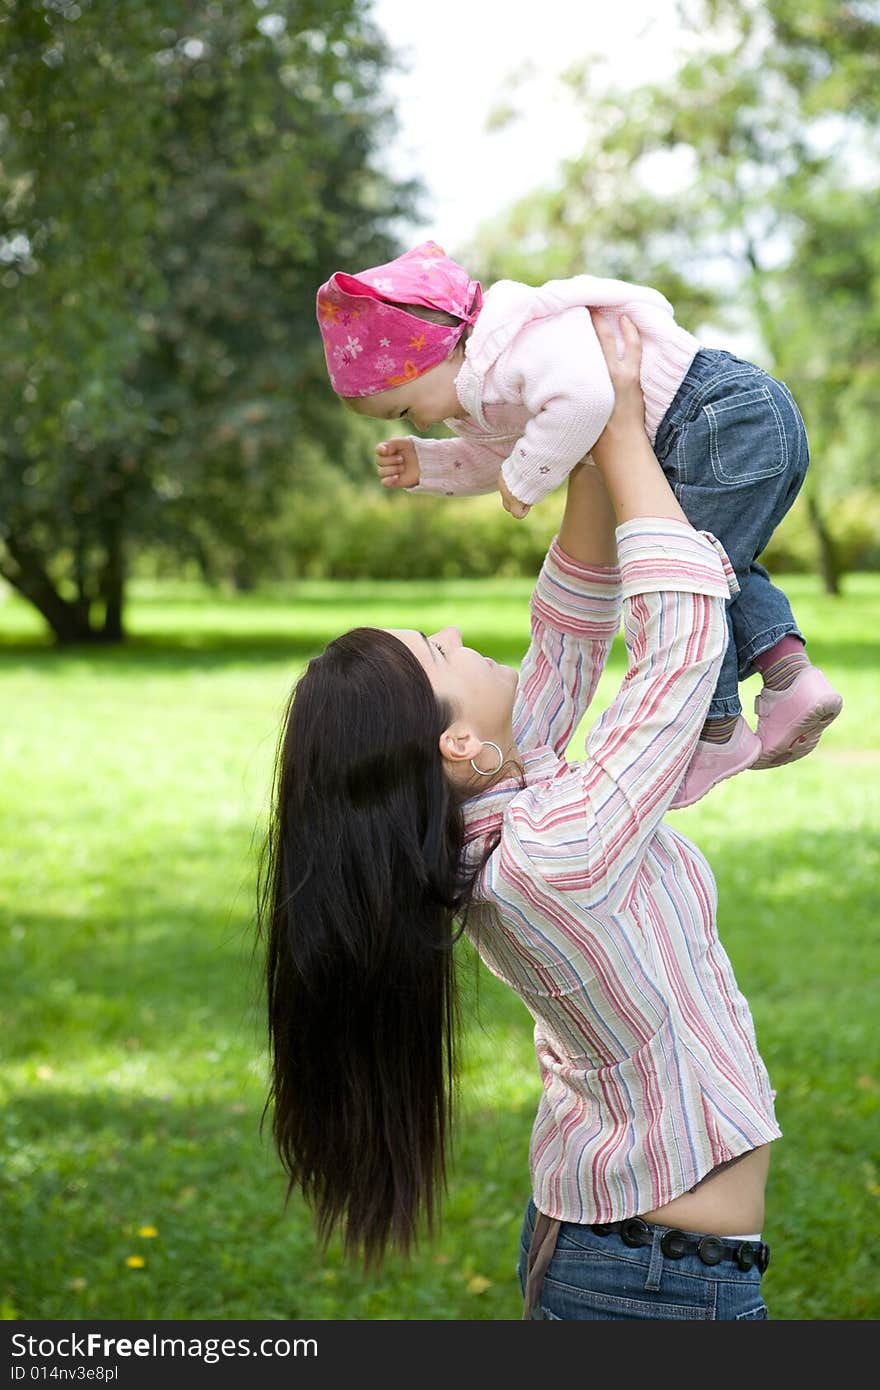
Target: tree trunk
113, 586
242, 576
829, 562
82, 603
69, 622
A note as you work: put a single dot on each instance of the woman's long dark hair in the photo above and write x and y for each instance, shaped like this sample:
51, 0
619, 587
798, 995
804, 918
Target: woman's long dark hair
361, 898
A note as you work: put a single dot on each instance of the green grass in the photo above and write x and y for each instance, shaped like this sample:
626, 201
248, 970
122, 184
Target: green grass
134, 784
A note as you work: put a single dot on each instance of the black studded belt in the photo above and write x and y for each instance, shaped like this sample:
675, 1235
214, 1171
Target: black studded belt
635, 1232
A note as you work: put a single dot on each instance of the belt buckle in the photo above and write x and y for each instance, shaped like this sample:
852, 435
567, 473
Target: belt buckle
711, 1250
674, 1244
635, 1232
749, 1256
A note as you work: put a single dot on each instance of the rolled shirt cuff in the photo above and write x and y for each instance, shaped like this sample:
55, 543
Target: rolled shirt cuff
575, 598
659, 553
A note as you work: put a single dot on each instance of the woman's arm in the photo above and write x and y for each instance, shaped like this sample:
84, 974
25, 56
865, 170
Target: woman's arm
575, 616
635, 482
587, 530
586, 832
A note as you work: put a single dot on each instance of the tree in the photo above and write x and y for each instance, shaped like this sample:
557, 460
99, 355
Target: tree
176, 179
827, 50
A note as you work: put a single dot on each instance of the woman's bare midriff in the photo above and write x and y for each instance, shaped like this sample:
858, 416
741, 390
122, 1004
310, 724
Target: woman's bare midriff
729, 1202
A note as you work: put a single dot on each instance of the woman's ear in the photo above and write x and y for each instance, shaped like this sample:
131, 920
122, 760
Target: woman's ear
459, 744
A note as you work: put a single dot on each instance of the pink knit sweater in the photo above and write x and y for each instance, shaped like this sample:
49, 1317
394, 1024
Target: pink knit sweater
534, 387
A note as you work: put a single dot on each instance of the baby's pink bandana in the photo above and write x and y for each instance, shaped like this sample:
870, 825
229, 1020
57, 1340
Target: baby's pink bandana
370, 346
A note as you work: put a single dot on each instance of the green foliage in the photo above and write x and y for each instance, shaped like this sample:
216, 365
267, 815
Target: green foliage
828, 49
830, 303
337, 529
854, 527
175, 182
346, 531
136, 784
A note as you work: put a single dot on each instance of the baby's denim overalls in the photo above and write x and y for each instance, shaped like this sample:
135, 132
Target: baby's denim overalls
734, 448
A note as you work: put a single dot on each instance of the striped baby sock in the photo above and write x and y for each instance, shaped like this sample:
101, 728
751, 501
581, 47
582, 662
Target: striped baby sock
782, 663
719, 730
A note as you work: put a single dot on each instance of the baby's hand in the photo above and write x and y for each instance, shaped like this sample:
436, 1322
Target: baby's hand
398, 463
512, 504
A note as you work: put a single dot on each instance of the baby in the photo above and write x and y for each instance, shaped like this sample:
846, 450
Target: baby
519, 376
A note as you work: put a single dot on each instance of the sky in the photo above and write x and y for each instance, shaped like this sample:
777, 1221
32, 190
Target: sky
462, 59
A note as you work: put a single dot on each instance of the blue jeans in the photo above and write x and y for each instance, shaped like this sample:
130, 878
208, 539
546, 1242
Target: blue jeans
600, 1278
734, 448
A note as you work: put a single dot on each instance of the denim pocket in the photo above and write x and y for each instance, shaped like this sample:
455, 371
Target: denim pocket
747, 437
584, 1300
754, 1314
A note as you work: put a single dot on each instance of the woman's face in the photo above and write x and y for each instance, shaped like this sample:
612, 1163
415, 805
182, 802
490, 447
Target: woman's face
479, 690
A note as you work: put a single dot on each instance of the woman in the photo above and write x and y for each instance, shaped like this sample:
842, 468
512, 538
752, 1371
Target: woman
420, 790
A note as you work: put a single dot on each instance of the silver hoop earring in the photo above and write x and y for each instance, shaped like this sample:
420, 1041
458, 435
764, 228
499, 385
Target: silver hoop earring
488, 743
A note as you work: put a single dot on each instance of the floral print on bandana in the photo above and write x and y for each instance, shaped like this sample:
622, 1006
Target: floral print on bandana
392, 346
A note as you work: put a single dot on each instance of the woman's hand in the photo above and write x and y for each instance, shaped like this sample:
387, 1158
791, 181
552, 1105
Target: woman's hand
628, 414
397, 463
635, 481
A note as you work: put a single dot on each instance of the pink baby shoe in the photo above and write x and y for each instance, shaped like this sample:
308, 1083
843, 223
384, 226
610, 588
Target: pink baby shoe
791, 722
713, 762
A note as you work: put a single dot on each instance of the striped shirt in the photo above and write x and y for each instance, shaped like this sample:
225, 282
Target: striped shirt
599, 915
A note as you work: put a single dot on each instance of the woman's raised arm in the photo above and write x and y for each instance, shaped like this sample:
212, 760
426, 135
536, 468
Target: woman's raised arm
586, 831
575, 612
587, 530
634, 480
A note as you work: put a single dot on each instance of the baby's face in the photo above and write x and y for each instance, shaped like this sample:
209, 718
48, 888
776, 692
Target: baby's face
425, 401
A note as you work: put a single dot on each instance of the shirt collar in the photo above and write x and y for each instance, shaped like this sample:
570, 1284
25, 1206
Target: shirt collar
483, 812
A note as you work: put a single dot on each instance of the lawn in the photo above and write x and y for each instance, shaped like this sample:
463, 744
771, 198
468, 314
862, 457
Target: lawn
134, 1179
